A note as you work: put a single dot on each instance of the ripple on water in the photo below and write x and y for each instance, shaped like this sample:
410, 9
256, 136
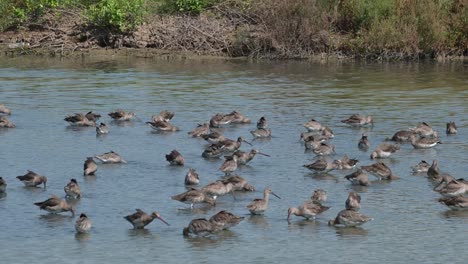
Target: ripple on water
408, 225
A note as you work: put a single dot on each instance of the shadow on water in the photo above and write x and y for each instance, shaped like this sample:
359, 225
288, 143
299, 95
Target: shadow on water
258, 220
35, 189
196, 210
211, 240
90, 178
81, 237
72, 201
311, 225
359, 188
54, 220
3, 195
455, 214
78, 128
350, 232
145, 233
322, 176
123, 123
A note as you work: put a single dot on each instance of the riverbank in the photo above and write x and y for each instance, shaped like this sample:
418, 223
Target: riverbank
228, 31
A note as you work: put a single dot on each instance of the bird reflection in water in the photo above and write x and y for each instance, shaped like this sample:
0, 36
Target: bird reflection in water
455, 214
210, 241
258, 220
146, 233
349, 232
82, 236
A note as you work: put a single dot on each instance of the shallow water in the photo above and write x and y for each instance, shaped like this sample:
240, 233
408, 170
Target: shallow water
409, 224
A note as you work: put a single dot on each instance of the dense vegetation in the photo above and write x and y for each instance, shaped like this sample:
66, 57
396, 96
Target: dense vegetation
287, 28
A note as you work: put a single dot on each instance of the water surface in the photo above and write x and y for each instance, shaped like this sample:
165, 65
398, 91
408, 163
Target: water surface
409, 224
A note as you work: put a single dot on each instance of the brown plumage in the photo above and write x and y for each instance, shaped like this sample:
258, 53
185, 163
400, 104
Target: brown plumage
307, 210
140, 219
162, 126
201, 227
200, 131
385, 150
424, 130
121, 115
214, 151
32, 179
350, 218
229, 165
217, 120
6, 123
214, 137
358, 120
424, 142
381, 171
92, 116
401, 136
225, 219
353, 202
245, 157
4, 110
313, 126
346, 163
72, 189
163, 116
102, 129
229, 145
83, 224
262, 123
455, 203
79, 119
433, 173
363, 143
194, 196
261, 133
3, 185
453, 187
319, 196
258, 206
89, 167
191, 178
451, 128
110, 157
324, 149
217, 188
422, 166
358, 178
322, 166
55, 205
236, 117
239, 183
175, 158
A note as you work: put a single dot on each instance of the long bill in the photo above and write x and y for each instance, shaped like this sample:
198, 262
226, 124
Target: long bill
162, 220
276, 195
247, 142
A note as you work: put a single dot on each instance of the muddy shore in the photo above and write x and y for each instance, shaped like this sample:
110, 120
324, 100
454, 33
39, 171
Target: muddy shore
164, 37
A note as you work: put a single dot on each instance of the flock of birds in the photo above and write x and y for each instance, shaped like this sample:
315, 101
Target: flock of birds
316, 139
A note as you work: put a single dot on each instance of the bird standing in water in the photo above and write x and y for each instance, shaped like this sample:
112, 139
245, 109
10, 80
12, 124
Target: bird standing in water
175, 158
258, 206
32, 179
140, 219
83, 224
55, 205
72, 189
89, 167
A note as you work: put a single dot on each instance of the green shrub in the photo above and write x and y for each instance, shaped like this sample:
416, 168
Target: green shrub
185, 6
120, 15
